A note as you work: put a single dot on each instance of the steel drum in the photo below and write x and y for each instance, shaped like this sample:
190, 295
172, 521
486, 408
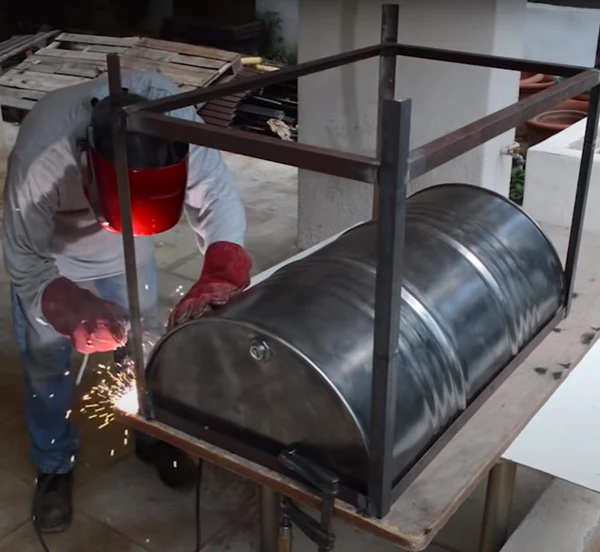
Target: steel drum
289, 361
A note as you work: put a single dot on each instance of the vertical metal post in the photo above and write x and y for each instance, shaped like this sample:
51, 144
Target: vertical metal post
498, 501
393, 180
387, 76
269, 519
120, 159
583, 184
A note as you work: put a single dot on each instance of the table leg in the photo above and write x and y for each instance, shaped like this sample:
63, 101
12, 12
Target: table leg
498, 500
269, 519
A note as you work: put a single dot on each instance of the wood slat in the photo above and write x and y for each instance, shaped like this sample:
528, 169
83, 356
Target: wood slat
126, 61
102, 49
25, 44
88, 71
173, 57
71, 54
193, 76
19, 103
21, 93
38, 81
188, 49
98, 40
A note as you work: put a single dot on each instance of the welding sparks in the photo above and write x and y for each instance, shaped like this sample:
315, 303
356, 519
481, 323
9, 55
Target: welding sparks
116, 391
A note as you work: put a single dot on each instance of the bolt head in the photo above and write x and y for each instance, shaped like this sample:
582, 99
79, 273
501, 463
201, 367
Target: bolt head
259, 350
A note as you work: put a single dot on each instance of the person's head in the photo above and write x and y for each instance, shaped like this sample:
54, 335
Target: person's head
144, 151
157, 172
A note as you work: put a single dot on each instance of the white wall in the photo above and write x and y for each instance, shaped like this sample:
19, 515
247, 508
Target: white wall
553, 33
339, 108
560, 34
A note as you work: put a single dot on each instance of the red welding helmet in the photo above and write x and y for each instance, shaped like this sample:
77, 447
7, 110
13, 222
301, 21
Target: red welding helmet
157, 169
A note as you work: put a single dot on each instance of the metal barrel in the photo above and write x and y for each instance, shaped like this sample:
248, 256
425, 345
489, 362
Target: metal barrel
290, 360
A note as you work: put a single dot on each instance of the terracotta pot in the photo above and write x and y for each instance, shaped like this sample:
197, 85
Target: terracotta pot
531, 83
553, 121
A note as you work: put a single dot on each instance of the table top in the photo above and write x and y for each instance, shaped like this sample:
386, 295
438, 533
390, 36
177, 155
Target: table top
426, 506
562, 438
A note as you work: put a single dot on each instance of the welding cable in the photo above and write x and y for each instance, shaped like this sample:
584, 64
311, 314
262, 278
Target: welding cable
197, 505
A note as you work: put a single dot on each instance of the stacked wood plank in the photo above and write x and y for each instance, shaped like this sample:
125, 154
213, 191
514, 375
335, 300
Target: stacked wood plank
20, 44
75, 58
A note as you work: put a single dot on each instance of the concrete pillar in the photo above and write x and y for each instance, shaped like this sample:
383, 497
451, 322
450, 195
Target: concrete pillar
338, 108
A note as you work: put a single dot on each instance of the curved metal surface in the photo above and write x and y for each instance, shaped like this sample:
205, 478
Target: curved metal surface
290, 360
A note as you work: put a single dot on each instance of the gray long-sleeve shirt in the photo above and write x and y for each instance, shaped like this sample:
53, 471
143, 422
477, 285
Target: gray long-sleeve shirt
49, 229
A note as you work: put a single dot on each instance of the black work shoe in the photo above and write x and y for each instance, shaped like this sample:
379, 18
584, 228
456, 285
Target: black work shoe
175, 468
52, 503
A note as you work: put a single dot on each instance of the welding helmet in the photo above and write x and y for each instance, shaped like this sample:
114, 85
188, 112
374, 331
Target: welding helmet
157, 170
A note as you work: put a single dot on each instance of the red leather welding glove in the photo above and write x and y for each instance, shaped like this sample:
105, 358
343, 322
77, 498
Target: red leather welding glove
226, 271
93, 324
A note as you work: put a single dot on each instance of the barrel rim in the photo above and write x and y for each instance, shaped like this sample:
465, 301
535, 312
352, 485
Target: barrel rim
506, 200
267, 333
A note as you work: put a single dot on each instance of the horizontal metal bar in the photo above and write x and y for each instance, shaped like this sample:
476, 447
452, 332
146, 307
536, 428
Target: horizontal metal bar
323, 160
485, 60
451, 145
194, 97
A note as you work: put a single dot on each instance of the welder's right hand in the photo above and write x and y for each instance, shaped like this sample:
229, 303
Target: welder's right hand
93, 324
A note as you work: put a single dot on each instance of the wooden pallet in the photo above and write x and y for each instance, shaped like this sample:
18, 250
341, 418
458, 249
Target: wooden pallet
74, 58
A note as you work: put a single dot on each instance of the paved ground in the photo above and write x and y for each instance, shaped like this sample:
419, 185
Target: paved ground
120, 506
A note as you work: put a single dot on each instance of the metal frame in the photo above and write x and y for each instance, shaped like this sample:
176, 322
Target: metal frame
391, 171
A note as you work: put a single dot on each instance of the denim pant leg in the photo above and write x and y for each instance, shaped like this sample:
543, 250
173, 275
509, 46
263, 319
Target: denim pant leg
114, 289
49, 388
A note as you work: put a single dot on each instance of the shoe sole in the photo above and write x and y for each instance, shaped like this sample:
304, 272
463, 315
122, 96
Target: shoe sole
52, 530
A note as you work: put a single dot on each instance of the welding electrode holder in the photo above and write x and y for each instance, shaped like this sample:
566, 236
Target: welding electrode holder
322, 480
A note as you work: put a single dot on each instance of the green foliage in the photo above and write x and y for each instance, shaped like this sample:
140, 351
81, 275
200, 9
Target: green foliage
275, 49
517, 185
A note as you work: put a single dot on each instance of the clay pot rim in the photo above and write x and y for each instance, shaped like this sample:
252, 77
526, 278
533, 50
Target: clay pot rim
536, 81
533, 77
539, 120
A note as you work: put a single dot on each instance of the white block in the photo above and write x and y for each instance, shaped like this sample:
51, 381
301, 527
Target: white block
565, 519
551, 180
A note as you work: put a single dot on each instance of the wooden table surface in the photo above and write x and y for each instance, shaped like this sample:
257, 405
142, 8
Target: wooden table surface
446, 483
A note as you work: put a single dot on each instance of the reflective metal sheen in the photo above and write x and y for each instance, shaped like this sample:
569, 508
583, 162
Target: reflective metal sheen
289, 361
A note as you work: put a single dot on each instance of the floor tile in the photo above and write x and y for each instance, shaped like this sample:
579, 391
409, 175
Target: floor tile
133, 501
14, 449
11, 374
172, 287
15, 503
84, 535
5, 307
174, 245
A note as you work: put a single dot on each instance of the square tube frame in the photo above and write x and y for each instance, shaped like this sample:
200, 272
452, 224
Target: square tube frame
391, 171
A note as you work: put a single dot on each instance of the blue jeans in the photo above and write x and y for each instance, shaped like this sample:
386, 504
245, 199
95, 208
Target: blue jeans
49, 385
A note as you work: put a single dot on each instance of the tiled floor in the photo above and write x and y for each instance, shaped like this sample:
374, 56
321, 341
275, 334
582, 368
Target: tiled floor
120, 506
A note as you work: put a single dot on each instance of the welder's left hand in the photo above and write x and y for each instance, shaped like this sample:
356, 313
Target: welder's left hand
226, 272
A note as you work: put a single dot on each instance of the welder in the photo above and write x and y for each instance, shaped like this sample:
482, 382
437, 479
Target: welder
64, 256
